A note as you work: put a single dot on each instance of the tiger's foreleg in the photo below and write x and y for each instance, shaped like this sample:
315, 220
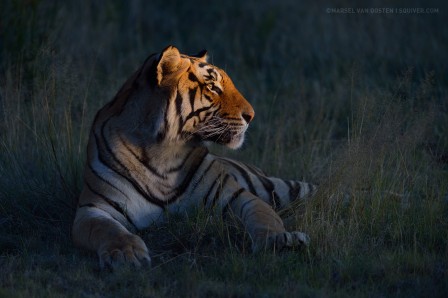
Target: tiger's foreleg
263, 224
97, 230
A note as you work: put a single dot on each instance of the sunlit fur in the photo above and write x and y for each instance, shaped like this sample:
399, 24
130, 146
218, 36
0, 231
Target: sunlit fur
146, 158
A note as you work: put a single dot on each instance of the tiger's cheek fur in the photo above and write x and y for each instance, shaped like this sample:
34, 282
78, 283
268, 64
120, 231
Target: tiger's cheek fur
209, 106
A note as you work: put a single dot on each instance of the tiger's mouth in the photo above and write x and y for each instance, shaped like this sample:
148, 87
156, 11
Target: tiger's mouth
227, 134
230, 139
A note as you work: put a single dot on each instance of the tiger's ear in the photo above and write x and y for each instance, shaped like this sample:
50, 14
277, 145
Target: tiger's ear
202, 55
170, 63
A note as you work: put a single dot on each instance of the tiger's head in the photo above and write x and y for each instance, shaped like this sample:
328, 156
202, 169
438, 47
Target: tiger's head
197, 101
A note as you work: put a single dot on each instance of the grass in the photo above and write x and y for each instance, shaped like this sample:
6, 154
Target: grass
356, 103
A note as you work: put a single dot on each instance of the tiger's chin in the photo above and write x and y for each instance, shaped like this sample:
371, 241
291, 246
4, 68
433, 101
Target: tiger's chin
230, 141
236, 138
235, 142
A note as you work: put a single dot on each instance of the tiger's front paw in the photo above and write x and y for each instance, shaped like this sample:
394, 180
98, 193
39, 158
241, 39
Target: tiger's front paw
279, 241
124, 249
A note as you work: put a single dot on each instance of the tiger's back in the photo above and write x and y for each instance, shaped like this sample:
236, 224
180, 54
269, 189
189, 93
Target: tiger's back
146, 157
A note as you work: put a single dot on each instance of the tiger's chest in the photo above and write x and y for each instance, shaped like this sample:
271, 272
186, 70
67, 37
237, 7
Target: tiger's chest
158, 186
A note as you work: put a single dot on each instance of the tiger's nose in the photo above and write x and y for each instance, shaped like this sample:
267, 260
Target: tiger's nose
248, 116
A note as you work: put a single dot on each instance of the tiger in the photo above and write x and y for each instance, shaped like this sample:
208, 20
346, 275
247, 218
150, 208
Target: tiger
148, 157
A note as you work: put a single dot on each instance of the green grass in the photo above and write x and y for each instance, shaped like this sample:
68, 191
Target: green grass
355, 103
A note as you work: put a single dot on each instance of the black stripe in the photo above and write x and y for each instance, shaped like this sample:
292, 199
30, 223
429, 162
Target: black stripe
267, 184
207, 97
243, 172
151, 74
178, 191
144, 159
196, 113
207, 116
254, 170
216, 89
233, 124
205, 199
218, 192
270, 190
123, 93
232, 118
294, 190
192, 96
151, 77
204, 174
182, 163
104, 180
162, 134
179, 101
276, 202
192, 77
112, 203
235, 195
87, 205
208, 168
124, 172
